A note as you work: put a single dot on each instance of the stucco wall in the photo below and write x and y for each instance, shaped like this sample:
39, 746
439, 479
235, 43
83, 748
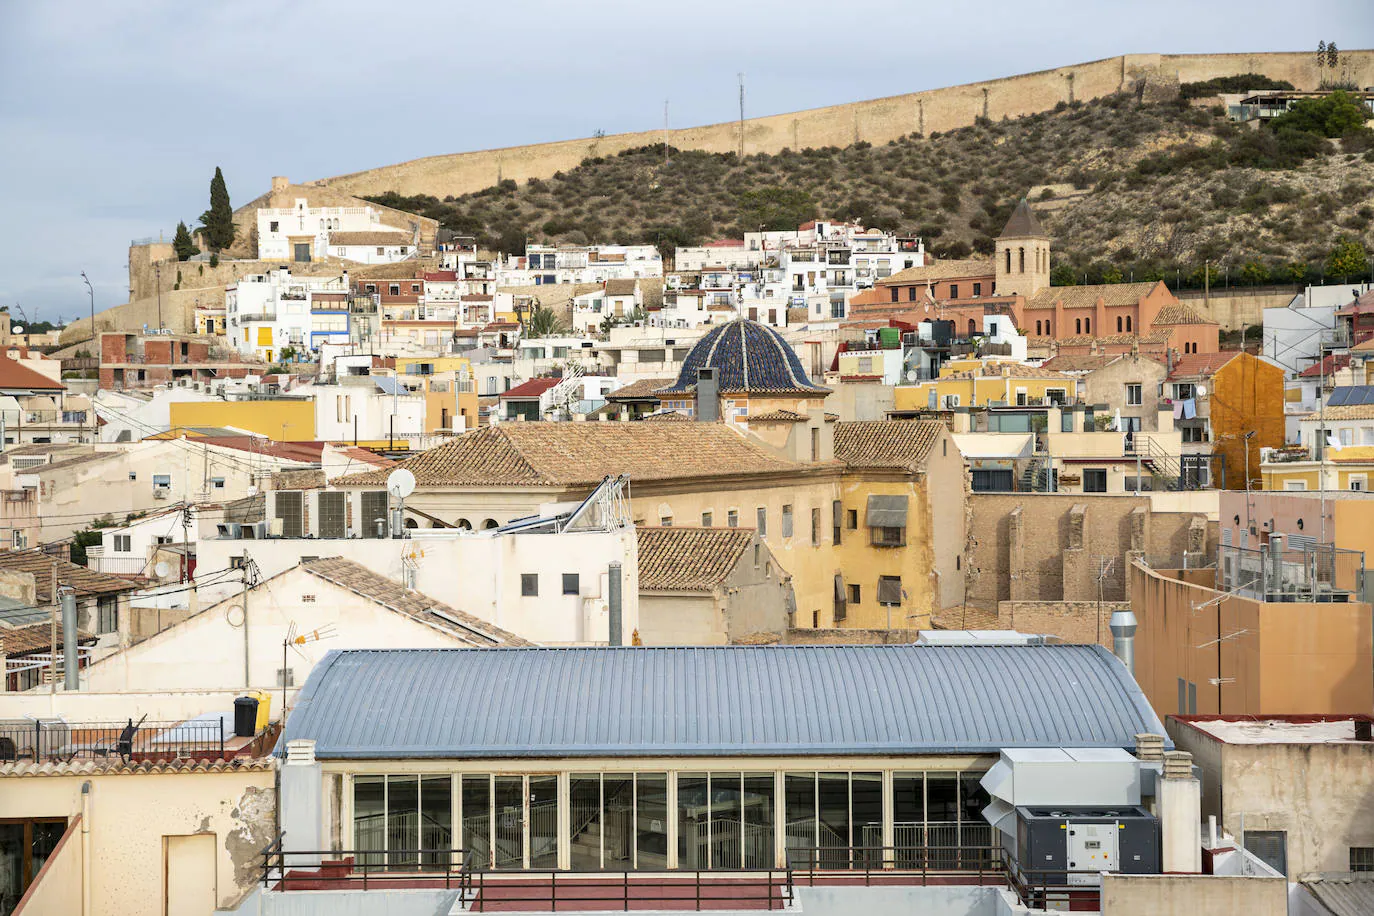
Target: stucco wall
875, 121
1193, 895
131, 815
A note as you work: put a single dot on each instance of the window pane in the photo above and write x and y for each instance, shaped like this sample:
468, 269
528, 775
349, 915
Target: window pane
727, 821
757, 803
833, 796
974, 830
866, 792
942, 813
543, 822
692, 815
477, 819
436, 819
369, 816
799, 814
402, 820
651, 821
908, 817
617, 831
508, 835
585, 824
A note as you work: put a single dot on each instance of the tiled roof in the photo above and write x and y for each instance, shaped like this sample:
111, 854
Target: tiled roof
942, 270
1085, 297
85, 581
886, 443
298, 480
369, 238
1347, 412
1180, 313
1328, 365
643, 389
114, 766
1007, 370
582, 454
797, 316
1023, 223
747, 357
621, 287
1083, 340
34, 638
1201, 364
725, 243
15, 375
788, 416
689, 559
1084, 362
667, 416
531, 389
393, 595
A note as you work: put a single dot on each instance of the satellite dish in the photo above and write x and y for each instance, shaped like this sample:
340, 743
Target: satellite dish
17, 329
1202, 391
233, 615
911, 375
400, 482
162, 569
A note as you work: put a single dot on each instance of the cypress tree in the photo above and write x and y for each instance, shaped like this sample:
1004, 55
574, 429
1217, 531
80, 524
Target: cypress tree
182, 243
219, 219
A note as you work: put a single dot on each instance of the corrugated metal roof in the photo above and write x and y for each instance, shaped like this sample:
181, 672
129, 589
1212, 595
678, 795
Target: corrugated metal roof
738, 700
1343, 893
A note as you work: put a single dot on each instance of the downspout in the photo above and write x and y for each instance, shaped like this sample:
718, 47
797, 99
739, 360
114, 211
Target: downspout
85, 848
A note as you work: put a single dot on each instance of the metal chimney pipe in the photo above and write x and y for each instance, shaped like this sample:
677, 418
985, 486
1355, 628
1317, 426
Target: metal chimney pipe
1123, 626
614, 590
1275, 563
69, 641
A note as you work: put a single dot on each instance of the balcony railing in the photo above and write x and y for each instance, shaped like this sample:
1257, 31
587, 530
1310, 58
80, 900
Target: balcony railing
58, 741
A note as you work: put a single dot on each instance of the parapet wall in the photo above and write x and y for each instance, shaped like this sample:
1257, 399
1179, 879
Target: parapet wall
874, 121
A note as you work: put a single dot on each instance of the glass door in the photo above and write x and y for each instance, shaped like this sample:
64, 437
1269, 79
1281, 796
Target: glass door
508, 829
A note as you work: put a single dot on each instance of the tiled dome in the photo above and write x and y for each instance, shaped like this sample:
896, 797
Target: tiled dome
747, 357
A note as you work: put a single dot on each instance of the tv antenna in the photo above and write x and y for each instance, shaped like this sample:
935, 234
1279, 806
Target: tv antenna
295, 640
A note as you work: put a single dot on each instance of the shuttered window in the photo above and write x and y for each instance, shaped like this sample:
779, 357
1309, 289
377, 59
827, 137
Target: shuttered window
886, 520
889, 589
841, 609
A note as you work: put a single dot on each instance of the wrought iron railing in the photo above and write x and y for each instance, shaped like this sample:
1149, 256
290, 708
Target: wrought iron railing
56, 740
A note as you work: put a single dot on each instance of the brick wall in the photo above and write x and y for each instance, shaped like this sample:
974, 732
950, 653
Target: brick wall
1072, 621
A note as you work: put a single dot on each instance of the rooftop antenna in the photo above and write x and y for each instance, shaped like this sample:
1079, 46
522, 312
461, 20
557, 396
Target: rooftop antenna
665, 132
295, 640
741, 114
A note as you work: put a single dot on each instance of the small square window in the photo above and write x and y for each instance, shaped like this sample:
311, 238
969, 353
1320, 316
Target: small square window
787, 521
732, 518
162, 480
572, 584
1133, 395
1362, 858
529, 585
761, 521
854, 594
217, 483
706, 519
852, 520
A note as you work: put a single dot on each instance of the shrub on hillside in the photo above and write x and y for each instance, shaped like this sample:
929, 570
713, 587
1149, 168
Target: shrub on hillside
1241, 83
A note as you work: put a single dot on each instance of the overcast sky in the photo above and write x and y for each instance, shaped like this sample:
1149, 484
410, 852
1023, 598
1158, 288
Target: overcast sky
113, 115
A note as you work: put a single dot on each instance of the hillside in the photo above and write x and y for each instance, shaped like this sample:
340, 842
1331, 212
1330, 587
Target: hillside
1143, 189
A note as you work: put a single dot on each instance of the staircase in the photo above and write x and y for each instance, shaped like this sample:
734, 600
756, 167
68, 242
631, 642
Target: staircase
1036, 476
1165, 468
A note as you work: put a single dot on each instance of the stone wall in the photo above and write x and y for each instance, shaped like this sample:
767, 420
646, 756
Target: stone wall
1078, 622
1049, 546
875, 121
806, 636
1236, 307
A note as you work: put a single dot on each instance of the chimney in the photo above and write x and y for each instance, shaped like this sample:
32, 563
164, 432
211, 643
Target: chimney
1275, 569
1179, 801
1123, 626
300, 803
708, 396
1149, 747
70, 663
614, 590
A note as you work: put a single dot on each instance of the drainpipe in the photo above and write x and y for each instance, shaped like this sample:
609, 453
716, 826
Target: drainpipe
85, 847
71, 678
614, 590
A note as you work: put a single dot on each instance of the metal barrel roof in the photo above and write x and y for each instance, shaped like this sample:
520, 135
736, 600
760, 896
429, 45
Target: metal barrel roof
720, 701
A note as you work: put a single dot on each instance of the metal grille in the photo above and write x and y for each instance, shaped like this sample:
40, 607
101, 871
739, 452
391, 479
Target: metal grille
288, 509
332, 507
374, 507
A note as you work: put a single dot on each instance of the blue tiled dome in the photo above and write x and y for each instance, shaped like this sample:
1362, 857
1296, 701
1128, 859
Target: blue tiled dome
748, 357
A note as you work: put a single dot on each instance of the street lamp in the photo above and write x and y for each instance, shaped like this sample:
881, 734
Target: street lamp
90, 292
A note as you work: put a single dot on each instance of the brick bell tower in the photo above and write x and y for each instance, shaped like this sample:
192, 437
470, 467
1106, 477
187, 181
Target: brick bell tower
1022, 259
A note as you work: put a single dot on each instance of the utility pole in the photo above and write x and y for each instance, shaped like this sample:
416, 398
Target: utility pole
665, 131
185, 542
91, 293
741, 115
52, 642
157, 272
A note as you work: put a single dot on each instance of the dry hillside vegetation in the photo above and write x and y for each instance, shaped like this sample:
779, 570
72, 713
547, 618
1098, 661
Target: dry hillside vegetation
1144, 190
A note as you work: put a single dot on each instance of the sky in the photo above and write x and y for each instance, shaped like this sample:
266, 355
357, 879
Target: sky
114, 115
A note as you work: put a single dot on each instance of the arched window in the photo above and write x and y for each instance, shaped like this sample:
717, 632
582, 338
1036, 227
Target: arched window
1118, 324
1023, 259
464, 524
972, 327
411, 523
1037, 329
1078, 325
1008, 260
1128, 322
490, 523
1087, 325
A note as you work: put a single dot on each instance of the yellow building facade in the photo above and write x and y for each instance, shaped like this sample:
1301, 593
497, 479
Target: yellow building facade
984, 383
285, 420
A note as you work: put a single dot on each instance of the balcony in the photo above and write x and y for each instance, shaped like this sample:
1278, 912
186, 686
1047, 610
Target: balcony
59, 741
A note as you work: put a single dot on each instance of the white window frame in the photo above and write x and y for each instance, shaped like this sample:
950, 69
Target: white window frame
1358, 483
1138, 390
1295, 485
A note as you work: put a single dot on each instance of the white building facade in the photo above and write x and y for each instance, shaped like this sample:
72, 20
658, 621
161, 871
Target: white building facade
301, 232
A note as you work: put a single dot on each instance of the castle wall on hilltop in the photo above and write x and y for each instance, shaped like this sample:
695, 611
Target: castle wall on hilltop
875, 121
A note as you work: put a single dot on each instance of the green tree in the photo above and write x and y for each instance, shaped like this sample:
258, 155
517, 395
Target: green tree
288, 354
1297, 271
1063, 275
219, 219
182, 243
1112, 275
543, 323
775, 208
1334, 115
80, 541
1254, 273
1348, 259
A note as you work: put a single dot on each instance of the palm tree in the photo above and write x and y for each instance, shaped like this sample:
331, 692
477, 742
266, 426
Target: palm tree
543, 323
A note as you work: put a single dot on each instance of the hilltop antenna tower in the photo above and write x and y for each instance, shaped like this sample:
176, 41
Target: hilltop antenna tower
741, 114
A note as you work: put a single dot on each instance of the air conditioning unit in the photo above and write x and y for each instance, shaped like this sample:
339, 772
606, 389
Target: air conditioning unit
161, 492
228, 530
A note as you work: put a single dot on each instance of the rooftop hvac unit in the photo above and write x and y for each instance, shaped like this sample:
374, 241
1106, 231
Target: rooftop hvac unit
1066, 845
160, 492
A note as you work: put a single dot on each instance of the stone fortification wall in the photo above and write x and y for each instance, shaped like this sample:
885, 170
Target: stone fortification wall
875, 121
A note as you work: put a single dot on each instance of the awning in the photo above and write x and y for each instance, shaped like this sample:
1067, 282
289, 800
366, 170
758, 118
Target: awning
886, 512
889, 590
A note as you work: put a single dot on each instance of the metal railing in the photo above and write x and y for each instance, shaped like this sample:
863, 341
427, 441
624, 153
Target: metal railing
58, 741
551, 890
362, 869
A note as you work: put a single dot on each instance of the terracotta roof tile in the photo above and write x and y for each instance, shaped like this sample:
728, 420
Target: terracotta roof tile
689, 559
1328, 365
887, 443
1349, 412
298, 480
115, 766
582, 454
667, 416
1083, 362
34, 638
1087, 296
531, 389
1180, 313
645, 389
786, 416
14, 374
621, 287
942, 270
369, 238
40, 565
1007, 370
393, 595
1201, 364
